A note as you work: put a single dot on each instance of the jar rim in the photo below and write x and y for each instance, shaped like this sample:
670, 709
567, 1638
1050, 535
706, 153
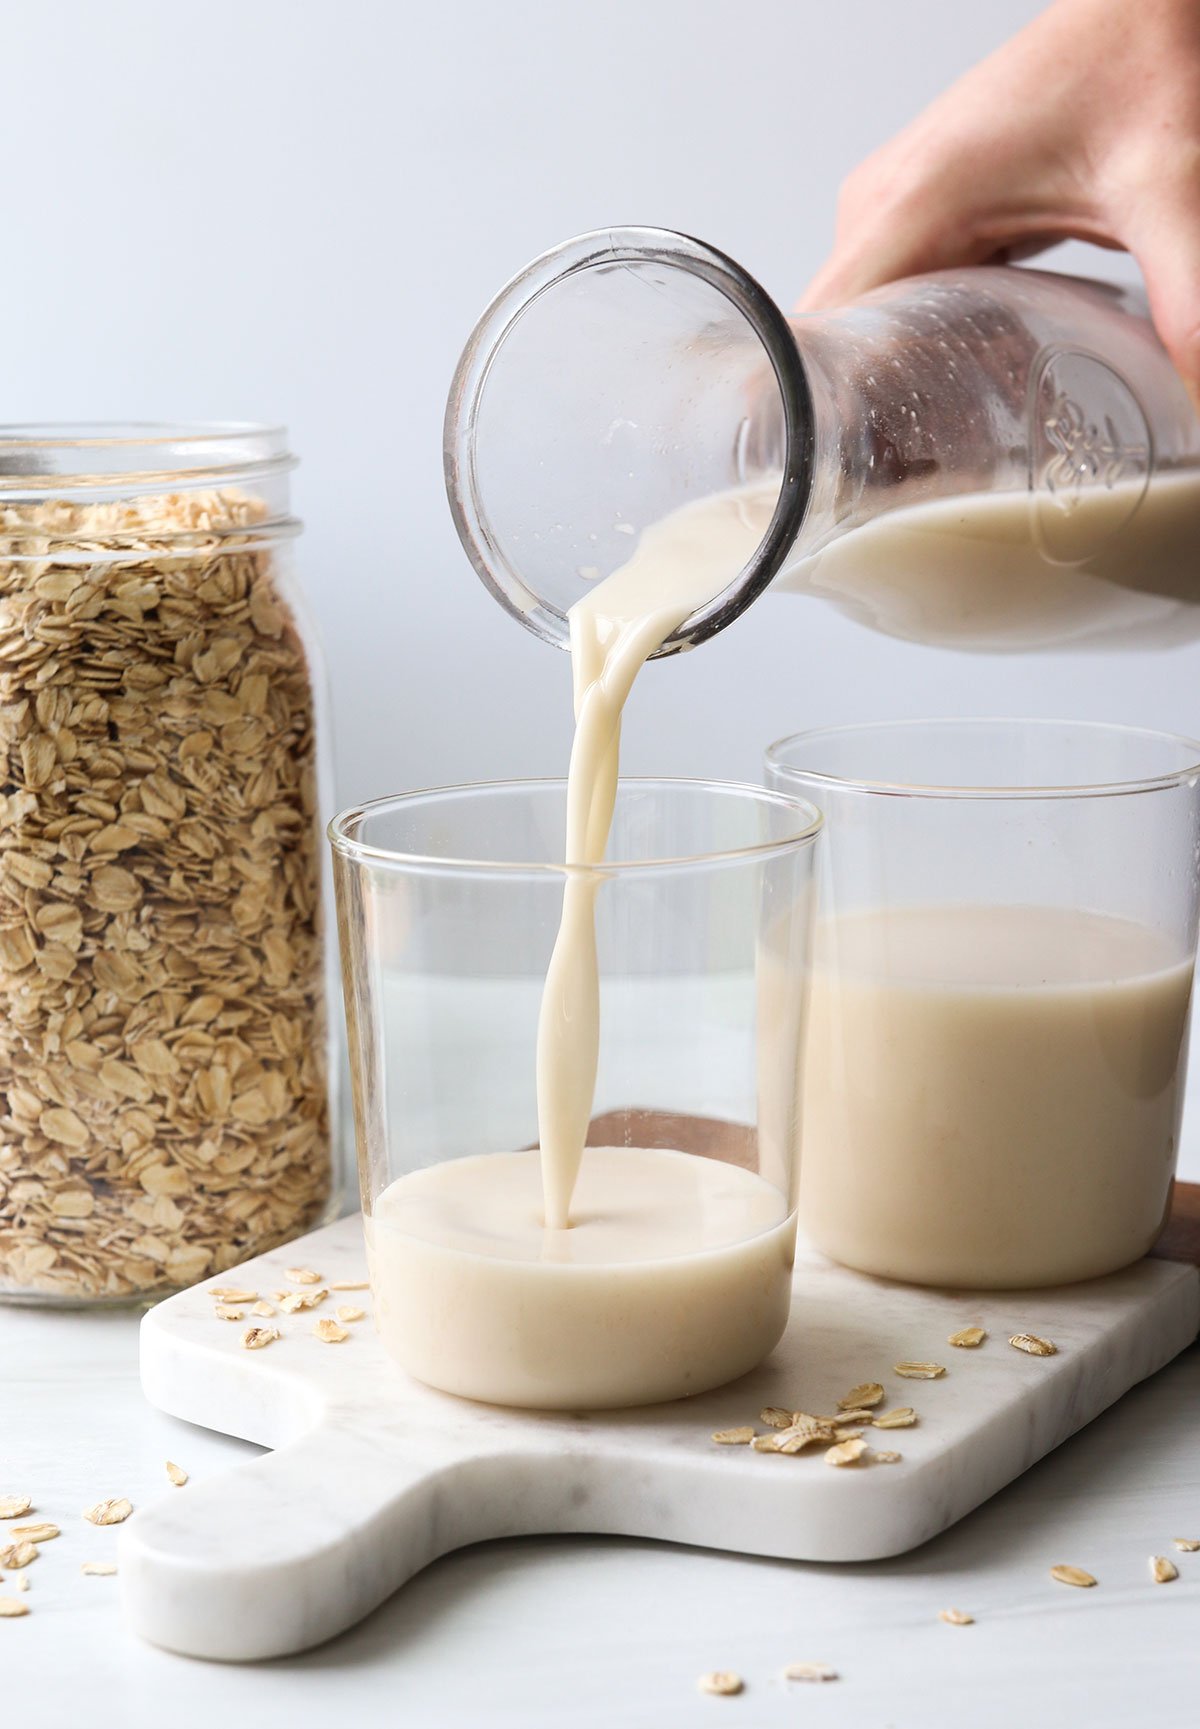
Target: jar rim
111, 458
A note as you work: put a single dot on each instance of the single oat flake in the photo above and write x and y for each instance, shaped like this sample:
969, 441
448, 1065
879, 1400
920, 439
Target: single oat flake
347, 1312
302, 1275
1033, 1346
920, 1371
14, 1506
722, 1682
99, 1569
1189, 1545
775, 1417
113, 1512
255, 1338
1162, 1571
810, 1672
224, 1313
765, 1443
1072, 1576
863, 1397
231, 1294
903, 1417
349, 1284
956, 1617
34, 1533
739, 1437
846, 1453
177, 1474
885, 1456
967, 1338
261, 1308
13, 1606
292, 1301
18, 1555
330, 1331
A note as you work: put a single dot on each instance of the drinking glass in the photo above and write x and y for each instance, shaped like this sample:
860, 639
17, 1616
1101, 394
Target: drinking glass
1003, 963
675, 1273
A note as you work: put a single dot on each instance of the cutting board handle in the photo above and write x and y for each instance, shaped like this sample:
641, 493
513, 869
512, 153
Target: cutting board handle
272, 1557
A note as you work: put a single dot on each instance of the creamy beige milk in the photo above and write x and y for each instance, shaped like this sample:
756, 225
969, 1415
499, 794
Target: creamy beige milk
621, 1275
991, 1095
1014, 571
675, 1276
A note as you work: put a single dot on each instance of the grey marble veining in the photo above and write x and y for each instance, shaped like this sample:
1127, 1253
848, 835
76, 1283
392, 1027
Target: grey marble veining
372, 1476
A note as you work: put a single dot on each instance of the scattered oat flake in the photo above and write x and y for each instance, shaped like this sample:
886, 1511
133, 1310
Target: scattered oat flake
847, 1434
18, 1555
956, 1617
34, 1533
261, 1308
292, 1301
330, 1331
765, 1443
231, 1294
1033, 1346
254, 1338
112, 1512
920, 1371
885, 1456
903, 1417
224, 1313
176, 1473
803, 1432
347, 1312
810, 1672
14, 1506
721, 1681
99, 1569
967, 1338
1071, 1576
22, 1581
846, 1453
1162, 1571
302, 1275
775, 1417
1189, 1545
739, 1437
349, 1284
862, 1398
12, 1606
844, 1419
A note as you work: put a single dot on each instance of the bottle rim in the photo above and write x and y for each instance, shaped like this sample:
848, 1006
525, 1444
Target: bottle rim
606, 247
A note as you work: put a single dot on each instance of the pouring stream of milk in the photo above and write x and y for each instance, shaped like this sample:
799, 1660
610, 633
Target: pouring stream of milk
680, 564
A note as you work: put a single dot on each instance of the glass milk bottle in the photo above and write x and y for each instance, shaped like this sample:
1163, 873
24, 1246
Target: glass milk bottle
986, 458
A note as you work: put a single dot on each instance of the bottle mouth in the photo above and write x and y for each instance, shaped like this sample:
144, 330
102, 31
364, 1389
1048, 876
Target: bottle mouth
618, 377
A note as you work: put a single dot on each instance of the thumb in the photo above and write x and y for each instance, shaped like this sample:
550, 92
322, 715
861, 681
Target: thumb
1166, 243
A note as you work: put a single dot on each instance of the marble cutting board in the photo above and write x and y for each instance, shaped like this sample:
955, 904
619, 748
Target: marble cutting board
373, 1476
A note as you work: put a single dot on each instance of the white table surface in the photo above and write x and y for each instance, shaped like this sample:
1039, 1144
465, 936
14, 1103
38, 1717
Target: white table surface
596, 1632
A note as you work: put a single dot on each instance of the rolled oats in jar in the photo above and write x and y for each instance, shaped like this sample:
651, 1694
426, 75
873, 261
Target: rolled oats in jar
165, 1072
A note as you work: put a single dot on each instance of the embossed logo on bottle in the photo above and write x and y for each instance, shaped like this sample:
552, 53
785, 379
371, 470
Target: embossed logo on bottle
1090, 453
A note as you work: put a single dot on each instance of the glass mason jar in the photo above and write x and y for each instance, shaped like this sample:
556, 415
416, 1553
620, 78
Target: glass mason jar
675, 1272
987, 458
165, 1061
998, 1035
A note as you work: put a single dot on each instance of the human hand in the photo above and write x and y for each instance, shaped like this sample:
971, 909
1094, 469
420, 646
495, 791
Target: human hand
1086, 125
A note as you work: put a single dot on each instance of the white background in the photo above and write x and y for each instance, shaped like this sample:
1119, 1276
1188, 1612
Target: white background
294, 209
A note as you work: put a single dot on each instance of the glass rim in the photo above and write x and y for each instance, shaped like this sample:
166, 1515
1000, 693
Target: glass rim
890, 788
626, 244
355, 851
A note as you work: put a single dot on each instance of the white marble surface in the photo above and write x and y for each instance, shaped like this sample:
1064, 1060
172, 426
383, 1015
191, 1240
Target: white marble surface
376, 1476
589, 1632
